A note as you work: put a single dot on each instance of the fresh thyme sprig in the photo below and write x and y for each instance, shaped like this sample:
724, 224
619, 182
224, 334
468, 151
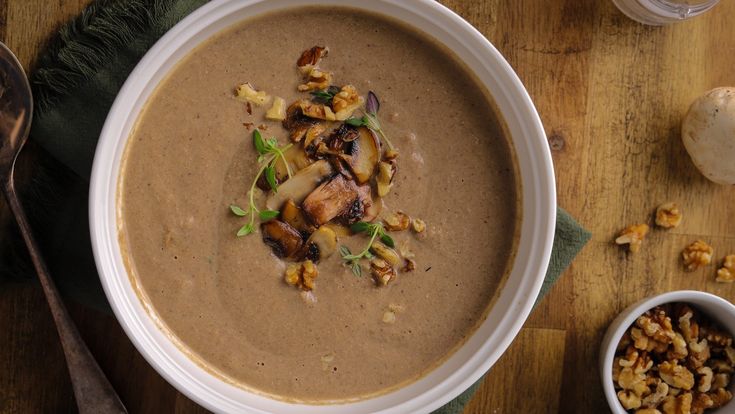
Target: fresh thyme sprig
268, 154
374, 230
370, 118
325, 96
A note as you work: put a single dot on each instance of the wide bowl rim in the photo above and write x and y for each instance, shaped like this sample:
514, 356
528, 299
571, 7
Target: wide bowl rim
626, 318
537, 226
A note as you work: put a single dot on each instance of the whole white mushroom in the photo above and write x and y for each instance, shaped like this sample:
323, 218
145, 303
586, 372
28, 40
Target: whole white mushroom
708, 132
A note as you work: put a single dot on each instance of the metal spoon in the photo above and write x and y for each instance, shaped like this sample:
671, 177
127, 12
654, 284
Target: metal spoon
92, 390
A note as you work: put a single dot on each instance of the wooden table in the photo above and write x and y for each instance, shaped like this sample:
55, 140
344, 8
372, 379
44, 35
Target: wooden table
611, 94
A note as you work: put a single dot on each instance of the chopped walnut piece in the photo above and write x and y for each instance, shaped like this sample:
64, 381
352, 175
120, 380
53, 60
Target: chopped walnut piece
316, 110
656, 325
409, 265
720, 366
701, 402
679, 348
311, 57
624, 342
676, 375
346, 101
293, 274
633, 236
730, 354
616, 368
640, 340
631, 355
705, 379
418, 225
720, 381
316, 79
301, 274
682, 404
697, 254
717, 337
247, 93
628, 379
277, 112
699, 353
383, 272
629, 399
689, 328
397, 221
726, 274
668, 215
654, 399
720, 397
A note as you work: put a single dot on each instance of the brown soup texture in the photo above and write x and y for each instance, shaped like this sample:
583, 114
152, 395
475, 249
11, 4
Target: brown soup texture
223, 298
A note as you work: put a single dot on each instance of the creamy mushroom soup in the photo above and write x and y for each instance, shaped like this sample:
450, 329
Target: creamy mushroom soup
319, 204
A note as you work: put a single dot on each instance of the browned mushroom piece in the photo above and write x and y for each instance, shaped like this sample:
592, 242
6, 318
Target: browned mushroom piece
320, 245
359, 209
300, 185
296, 123
297, 160
331, 199
373, 210
362, 154
314, 135
292, 215
282, 238
384, 178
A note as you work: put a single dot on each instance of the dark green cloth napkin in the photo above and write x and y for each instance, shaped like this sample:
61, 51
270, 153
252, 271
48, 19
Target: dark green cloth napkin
75, 84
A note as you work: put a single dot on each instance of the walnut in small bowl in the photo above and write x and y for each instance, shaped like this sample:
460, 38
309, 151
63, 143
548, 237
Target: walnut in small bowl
670, 356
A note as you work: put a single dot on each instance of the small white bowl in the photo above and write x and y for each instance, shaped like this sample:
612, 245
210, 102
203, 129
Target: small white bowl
716, 308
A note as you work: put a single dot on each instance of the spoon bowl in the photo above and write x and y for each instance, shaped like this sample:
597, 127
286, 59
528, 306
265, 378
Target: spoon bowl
16, 110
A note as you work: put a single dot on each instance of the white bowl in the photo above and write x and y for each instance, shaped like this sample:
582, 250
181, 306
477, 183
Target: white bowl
715, 307
504, 320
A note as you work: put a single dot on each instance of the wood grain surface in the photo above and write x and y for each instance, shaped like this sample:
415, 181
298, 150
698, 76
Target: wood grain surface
611, 94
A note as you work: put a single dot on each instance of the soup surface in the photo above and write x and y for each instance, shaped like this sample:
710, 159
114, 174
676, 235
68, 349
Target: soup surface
223, 298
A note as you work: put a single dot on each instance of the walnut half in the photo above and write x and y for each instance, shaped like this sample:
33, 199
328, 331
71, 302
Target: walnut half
633, 236
697, 254
668, 215
302, 275
726, 274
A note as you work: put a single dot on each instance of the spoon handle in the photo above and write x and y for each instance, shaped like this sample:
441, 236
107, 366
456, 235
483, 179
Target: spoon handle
92, 390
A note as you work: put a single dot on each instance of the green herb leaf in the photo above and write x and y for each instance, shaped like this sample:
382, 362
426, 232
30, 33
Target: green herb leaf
369, 255
360, 227
266, 215
387, 240
270, 177
258, 143
268, 152
271, 144
238, 211
344, 251
325, 95
371, 121
245, 230
356, 269
356, 122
